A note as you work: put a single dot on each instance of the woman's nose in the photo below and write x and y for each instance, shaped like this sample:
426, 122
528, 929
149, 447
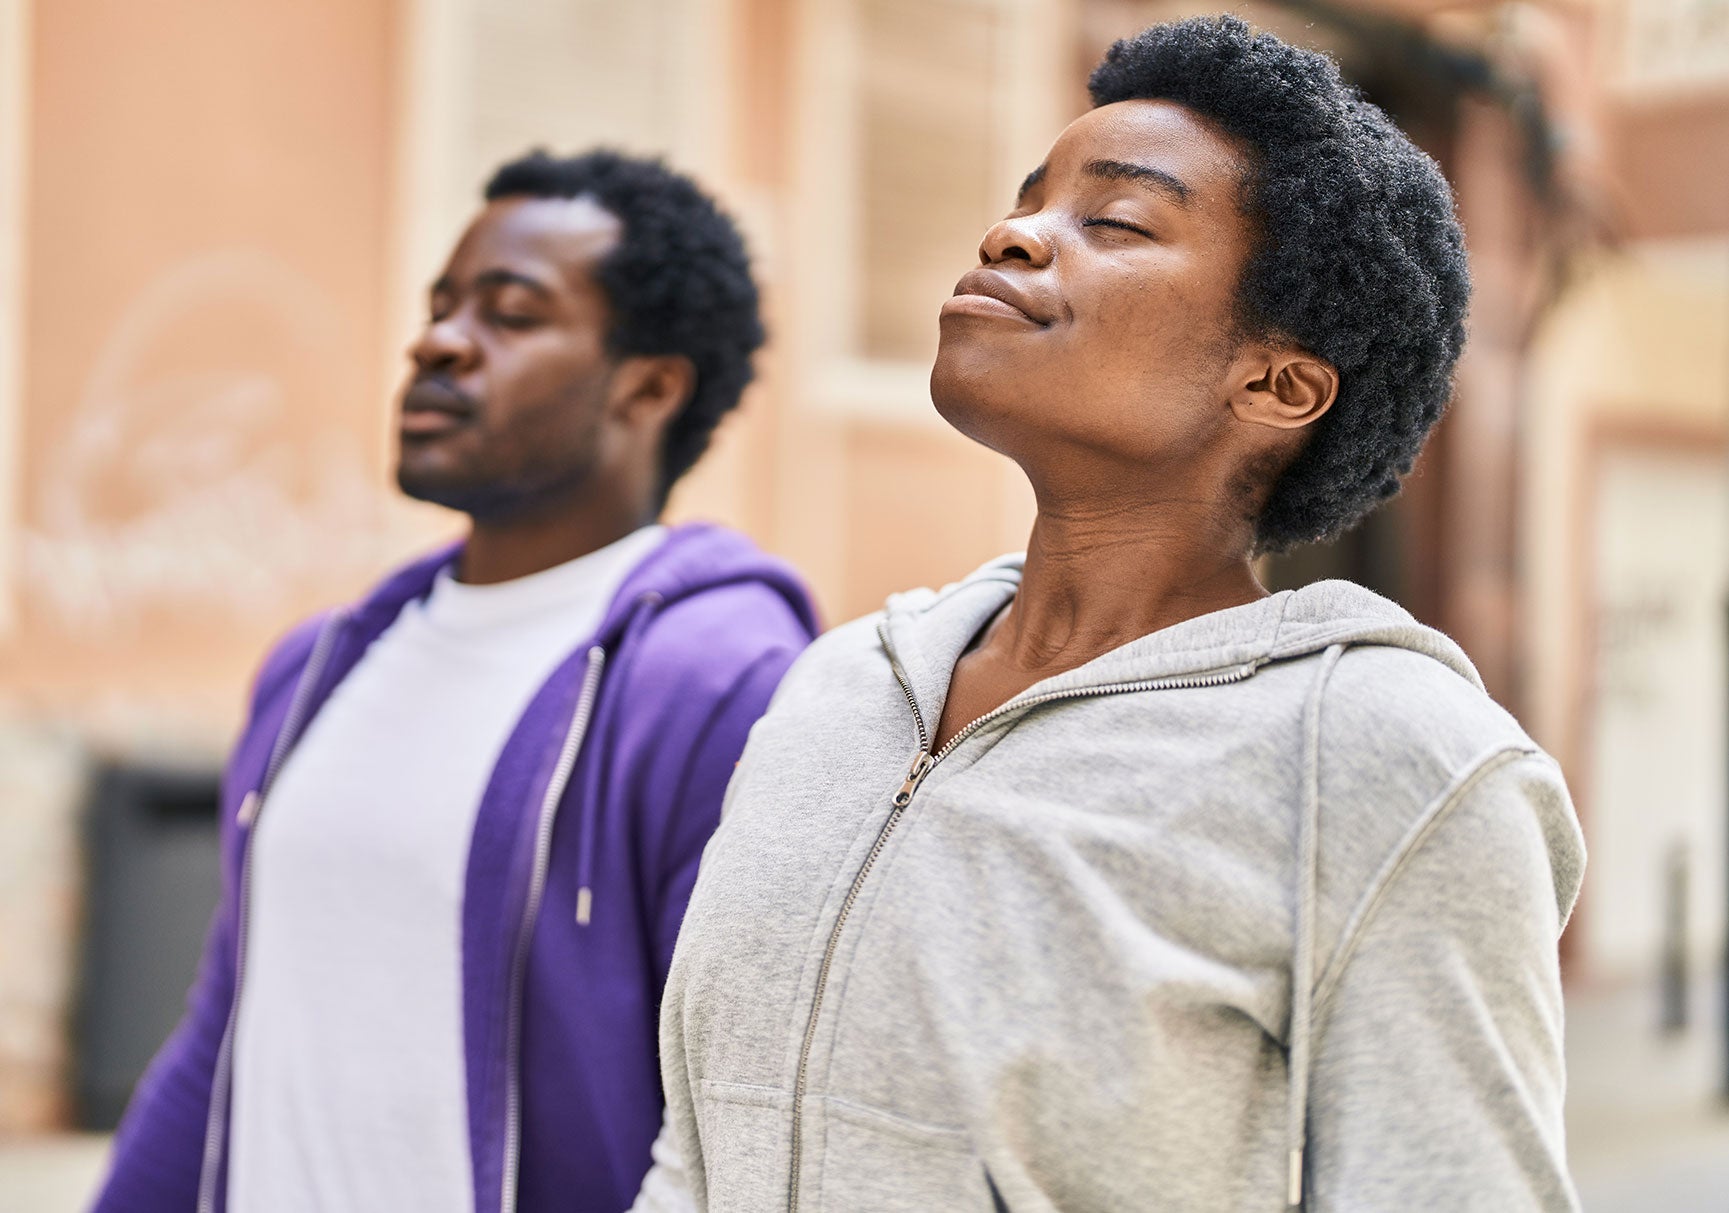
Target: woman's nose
1021, 238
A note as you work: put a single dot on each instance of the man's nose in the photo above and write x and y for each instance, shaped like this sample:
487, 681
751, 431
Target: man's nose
443, 345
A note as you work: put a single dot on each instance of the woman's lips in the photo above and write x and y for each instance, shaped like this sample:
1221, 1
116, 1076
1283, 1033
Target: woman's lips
986, 292
984, 306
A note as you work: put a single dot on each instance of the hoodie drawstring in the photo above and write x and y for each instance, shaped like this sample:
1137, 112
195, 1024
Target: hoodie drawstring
588, 810
1303, 951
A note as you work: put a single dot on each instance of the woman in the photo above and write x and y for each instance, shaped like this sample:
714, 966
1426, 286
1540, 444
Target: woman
1105, 880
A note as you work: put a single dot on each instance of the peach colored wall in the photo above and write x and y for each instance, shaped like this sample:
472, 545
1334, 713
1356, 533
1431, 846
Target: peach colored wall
202, 422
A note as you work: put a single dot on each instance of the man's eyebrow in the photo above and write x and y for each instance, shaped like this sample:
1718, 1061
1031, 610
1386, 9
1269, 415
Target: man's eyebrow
495, 277
1033, 178
1144, 174
503, 277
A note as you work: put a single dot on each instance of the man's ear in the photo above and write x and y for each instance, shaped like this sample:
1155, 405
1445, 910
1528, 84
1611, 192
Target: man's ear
1286, 389
650, 389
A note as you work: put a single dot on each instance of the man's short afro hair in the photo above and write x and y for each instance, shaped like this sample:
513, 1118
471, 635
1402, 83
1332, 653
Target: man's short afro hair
678, 282
1359, 257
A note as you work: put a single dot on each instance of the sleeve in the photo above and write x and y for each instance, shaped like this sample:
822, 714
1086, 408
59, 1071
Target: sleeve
158, 1151
1438, 1075
666, 1188
713, 754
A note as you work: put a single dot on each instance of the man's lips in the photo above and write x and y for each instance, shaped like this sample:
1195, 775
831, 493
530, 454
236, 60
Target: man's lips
432, 406
983, 292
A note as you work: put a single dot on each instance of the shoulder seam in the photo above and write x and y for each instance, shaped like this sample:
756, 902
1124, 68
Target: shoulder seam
1427, 822
1429, 658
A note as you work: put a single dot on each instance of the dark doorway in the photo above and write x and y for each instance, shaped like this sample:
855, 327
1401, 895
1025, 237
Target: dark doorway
152, 880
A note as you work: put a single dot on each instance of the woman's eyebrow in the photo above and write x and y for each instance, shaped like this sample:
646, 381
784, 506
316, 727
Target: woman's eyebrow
1033, 178
1156, 179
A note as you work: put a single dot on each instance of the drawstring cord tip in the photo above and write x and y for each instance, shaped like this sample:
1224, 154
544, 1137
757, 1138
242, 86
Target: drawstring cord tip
1294, 1196
584, 903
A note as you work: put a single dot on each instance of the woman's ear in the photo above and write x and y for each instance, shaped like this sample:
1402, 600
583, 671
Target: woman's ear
1285, 389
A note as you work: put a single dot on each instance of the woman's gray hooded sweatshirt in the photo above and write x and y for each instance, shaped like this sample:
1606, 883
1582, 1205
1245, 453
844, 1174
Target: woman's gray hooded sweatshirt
1050, 966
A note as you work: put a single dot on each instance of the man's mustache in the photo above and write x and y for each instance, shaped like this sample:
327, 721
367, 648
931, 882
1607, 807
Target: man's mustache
436, 393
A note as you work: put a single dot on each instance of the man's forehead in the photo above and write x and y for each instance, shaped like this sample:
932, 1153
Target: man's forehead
564, 236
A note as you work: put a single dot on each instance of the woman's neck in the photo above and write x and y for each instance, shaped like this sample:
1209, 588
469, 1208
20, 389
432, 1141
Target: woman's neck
1099, 577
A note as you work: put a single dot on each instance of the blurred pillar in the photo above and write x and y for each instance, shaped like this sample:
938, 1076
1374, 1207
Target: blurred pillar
1477, 595
1527, 161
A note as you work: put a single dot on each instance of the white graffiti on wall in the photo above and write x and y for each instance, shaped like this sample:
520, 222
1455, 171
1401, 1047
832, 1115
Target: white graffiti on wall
176, 489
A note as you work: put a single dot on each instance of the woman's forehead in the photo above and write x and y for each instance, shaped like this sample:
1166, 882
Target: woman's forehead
1168, 139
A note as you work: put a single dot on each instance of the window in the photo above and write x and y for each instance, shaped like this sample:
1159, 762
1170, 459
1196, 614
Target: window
918, 119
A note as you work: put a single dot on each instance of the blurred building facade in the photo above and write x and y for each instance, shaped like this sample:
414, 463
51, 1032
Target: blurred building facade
217, 223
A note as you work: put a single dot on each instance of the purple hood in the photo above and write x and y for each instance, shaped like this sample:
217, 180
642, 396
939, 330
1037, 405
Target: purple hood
581, 862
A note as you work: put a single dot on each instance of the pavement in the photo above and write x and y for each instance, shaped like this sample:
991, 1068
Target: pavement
1686, 1173
1647, 1121
50, 1174
1681, 1169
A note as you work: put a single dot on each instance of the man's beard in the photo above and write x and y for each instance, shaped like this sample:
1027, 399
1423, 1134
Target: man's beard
499, 500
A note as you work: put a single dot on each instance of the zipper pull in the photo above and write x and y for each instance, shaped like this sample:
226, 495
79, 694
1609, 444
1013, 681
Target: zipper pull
921, 767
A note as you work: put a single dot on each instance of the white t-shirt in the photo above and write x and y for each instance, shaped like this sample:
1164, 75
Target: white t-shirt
349, 1080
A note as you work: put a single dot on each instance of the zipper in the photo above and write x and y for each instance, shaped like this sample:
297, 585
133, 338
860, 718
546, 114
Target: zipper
250, 806
525, 930
922, 764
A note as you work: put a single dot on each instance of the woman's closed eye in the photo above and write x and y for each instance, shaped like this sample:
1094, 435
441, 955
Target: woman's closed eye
1119, 224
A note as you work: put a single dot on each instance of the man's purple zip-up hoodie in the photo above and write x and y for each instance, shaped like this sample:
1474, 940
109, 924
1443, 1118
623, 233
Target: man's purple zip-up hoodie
579, 868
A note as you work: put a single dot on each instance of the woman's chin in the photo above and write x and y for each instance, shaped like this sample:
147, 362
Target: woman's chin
953, 395
986, 419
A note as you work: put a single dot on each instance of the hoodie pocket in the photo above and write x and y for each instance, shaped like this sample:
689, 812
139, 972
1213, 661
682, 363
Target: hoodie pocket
877, 1162
745, 1145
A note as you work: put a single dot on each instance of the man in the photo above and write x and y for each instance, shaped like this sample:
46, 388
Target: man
1104, 880
462, 823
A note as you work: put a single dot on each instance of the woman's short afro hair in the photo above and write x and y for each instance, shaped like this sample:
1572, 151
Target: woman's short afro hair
678, 282
1359, 258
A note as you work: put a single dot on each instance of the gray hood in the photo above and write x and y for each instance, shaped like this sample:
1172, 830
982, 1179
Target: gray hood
1292, 623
